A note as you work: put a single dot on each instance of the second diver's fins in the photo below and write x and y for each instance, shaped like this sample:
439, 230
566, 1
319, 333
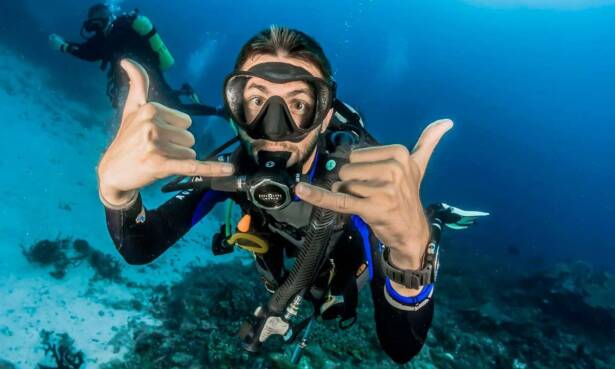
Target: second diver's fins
456, 218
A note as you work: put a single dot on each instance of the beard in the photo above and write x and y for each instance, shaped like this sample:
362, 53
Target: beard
299, 151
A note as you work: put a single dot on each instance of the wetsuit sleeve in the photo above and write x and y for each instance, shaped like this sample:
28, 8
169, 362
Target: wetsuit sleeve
141, 235
91, 50
401, 323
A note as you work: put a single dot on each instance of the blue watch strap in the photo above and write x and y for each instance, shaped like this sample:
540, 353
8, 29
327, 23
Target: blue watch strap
425, 293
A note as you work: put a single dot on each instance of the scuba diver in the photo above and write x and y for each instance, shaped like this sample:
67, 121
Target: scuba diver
312, 185
110, 38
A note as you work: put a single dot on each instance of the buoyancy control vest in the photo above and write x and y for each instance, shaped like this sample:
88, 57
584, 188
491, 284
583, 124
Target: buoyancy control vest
286, 232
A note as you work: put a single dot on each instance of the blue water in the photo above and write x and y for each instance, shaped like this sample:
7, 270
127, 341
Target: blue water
531, 89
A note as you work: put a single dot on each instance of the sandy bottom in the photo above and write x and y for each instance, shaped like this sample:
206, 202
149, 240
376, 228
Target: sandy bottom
49, 148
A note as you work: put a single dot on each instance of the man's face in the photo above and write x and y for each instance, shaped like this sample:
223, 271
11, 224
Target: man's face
299, 98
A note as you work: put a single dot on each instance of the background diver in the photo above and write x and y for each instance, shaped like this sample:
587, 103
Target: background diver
110, 38
312, 184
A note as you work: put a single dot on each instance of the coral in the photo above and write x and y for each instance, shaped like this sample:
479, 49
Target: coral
82, 247
201, 316
60, 348
105, 266
58, 254
50, 253
576, 295
484, 319
522, 319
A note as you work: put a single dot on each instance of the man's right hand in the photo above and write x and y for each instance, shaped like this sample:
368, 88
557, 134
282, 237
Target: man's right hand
152, 143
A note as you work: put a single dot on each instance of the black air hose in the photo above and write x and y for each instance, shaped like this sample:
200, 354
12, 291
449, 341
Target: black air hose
311, 256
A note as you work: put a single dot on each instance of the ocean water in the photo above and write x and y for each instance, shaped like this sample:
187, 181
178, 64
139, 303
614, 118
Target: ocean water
530, 86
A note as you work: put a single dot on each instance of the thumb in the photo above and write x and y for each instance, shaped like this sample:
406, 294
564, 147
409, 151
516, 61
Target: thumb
138, 86
421, 153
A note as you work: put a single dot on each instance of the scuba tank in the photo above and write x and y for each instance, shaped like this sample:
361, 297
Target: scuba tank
144, 27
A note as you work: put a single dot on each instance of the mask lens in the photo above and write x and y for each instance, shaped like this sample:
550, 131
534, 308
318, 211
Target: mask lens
247, 95
233, 94
277, 101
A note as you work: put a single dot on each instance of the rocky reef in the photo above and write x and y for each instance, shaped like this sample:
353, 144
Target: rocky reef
4, 364
490, 316
487, 316
496, 321
201, 317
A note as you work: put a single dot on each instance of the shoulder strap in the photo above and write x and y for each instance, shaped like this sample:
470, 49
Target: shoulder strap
347, 128
346, 113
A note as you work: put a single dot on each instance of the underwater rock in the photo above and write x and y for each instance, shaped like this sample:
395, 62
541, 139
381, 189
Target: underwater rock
50, 253
146, 341
58, 254
182, 359
596, 287
132, 304
64, 206
82, 247
517, 364
576, 294
4, 364
105, 266
509, 319
5, 331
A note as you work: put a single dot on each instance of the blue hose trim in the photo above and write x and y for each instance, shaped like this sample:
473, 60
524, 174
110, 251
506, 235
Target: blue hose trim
310, 174
409, 300
207, 202
361, 226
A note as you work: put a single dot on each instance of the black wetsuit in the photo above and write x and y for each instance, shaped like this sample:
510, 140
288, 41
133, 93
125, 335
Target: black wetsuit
119, 41
141, 235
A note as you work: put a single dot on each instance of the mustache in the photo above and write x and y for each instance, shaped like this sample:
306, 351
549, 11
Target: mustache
282, 145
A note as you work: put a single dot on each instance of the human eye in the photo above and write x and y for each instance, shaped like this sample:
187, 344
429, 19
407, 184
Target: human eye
300, 106
256, 101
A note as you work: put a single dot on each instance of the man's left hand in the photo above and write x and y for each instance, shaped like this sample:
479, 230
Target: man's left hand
381, 185
56, 42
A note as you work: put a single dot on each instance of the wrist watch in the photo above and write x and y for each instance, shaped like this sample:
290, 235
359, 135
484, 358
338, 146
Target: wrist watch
413, 278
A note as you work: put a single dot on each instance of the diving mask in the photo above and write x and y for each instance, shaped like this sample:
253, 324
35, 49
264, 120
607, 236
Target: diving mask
94, 25
256, 108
